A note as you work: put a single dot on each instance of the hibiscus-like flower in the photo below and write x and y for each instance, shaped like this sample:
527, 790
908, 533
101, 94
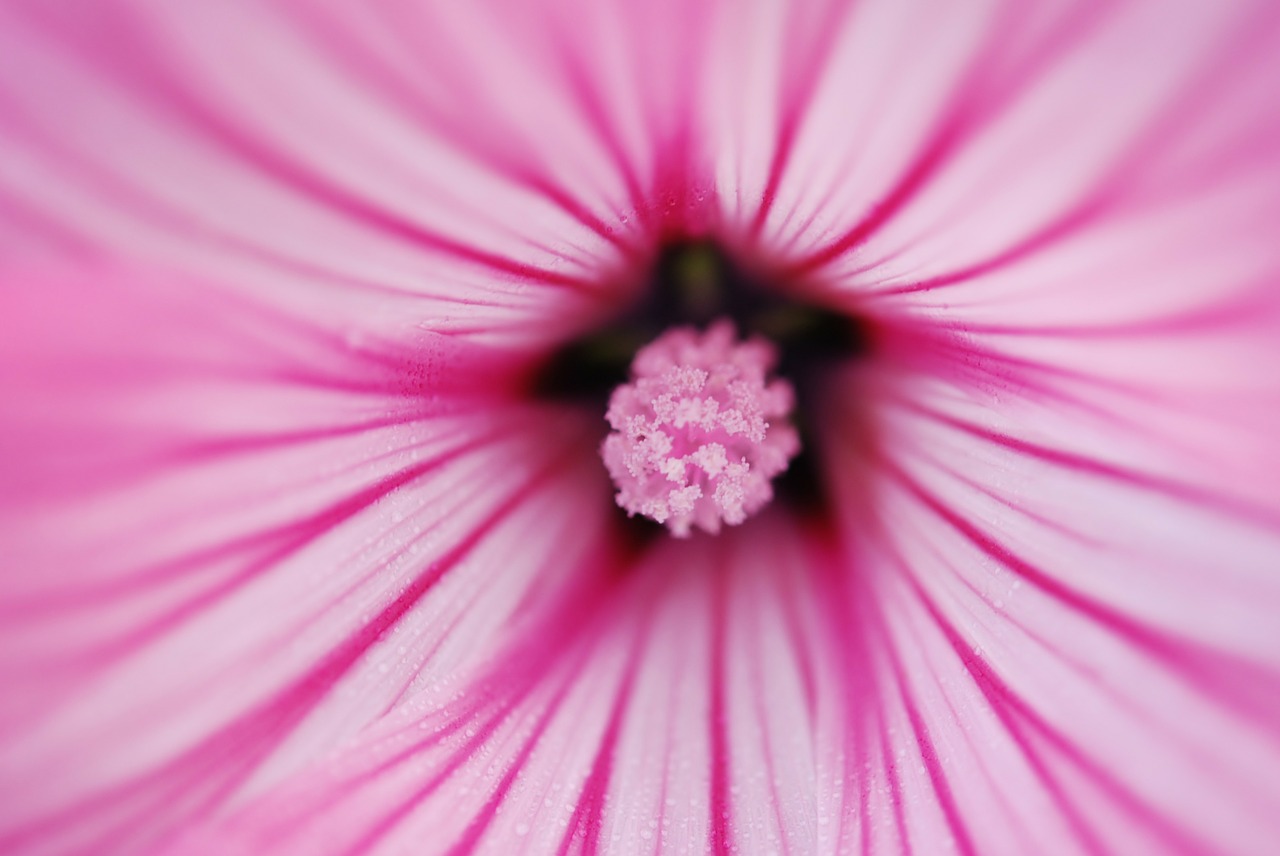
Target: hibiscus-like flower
591, 426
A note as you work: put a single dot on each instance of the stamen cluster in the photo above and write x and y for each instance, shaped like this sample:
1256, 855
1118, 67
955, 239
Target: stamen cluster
700, 431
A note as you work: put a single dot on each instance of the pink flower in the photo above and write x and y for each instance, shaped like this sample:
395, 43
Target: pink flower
304, 550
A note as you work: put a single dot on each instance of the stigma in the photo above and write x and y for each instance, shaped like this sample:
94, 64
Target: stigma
700, 430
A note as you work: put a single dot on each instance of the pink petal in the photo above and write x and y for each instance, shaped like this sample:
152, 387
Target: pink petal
681, 711
129, 134
230, 540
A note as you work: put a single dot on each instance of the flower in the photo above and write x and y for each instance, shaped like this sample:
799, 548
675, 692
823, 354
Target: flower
300, 556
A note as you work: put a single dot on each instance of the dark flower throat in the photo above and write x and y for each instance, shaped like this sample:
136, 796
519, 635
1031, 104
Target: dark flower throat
692, 283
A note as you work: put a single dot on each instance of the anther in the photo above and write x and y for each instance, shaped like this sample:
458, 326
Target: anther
700, 431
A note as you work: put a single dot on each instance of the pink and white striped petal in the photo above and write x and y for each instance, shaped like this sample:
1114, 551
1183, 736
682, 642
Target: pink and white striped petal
229, 545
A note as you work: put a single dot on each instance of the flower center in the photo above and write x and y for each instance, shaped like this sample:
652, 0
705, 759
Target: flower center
694, 285
699, 432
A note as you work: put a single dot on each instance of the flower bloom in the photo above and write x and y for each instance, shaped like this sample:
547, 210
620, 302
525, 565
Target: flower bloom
298, 555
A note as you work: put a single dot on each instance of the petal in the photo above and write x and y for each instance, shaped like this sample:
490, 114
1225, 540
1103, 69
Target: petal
1071, 588
1058, 479
1026, 136
231, 540
675, 713
129, 136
